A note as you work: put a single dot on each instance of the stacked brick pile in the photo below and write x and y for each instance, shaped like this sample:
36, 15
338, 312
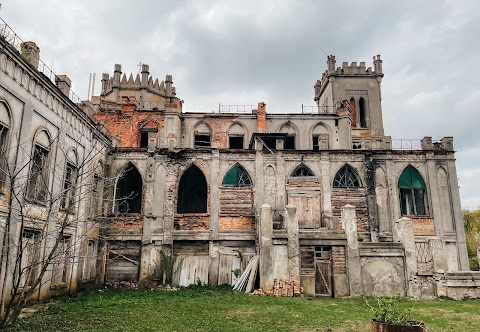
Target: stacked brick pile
287, 288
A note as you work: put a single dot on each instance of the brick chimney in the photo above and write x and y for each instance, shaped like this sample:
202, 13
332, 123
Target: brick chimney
63, 84
262, 117
31, 52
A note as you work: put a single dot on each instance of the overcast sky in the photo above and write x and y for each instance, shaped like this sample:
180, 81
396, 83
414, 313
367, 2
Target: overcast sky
243, 52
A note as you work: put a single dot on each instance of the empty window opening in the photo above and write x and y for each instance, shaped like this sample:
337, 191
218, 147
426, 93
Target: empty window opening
38, 178
237, 176
144, 139
3, 153
363, 113
202, 141
235, 142
61, 261
128, 193
302, 170
315, 145
346, 177
413, 193
289, 142
353, 112
67, 200
30, 257
270, 142
192, 192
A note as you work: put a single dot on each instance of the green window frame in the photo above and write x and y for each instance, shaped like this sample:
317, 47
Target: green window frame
237, 176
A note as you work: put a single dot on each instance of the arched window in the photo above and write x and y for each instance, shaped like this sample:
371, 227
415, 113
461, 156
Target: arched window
202, 137
302, 170
320, 140
237, 176
363, 113
97, 189
236, 135
4, 129
346, 177
413, 193
38, 176
67, 200
128, 192
353, 114
192, 192
289, 129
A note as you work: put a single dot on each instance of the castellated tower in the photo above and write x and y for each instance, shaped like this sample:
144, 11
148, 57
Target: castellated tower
360, 88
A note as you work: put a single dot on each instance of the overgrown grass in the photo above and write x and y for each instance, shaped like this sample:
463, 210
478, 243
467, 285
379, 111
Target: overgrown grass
220, 309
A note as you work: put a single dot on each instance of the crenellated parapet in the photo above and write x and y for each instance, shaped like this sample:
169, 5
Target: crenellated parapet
142, 81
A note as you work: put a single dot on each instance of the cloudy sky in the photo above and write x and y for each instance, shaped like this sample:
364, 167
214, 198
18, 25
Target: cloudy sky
243, 52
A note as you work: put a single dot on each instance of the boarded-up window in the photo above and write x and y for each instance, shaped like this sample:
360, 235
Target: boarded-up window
61, 266
29, 264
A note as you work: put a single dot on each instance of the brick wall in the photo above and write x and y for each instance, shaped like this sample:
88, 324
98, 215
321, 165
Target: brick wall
353, 196
237, 223
192, 222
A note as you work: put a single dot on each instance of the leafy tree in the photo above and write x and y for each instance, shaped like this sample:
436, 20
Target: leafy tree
471, 220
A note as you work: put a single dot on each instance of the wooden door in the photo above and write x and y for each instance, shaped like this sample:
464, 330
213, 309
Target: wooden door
308, 210
323, 271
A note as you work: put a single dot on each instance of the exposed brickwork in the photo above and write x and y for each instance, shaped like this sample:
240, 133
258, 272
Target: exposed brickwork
236, 223
262, 118
354, 113
339, 263
219, 126
127, 224
126, 125
236, 200
192, 222
353, 196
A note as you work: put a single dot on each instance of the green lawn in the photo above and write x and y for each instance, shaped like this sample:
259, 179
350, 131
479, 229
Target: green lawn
219, 309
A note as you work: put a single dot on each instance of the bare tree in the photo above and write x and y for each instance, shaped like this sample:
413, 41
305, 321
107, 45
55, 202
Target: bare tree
51, 191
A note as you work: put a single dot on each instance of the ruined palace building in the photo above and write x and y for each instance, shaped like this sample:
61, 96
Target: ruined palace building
320, 196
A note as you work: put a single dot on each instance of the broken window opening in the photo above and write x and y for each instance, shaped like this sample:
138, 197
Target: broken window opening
302, 170
144, 139
237, 176
202, 141
128, 194
289, 142
3, 153
30, 257
316, 146
61, 262
235, 142
346, 177
192, 192
363, 113
38, 178
413, 193
270, 142
68, 194
353, 112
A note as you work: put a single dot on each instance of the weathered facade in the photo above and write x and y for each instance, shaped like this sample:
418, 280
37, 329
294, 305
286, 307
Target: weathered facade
51, 152
322, 196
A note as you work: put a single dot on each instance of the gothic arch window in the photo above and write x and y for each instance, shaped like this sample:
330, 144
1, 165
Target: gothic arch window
353, 112
413, 193
320, 137
346, 177
362, 113
192, 192
4, 134
237, 176
128, 191
39, 171
302, 170
202, 136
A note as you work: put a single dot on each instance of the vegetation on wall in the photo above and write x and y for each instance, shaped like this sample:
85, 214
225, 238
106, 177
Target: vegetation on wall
471, 220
